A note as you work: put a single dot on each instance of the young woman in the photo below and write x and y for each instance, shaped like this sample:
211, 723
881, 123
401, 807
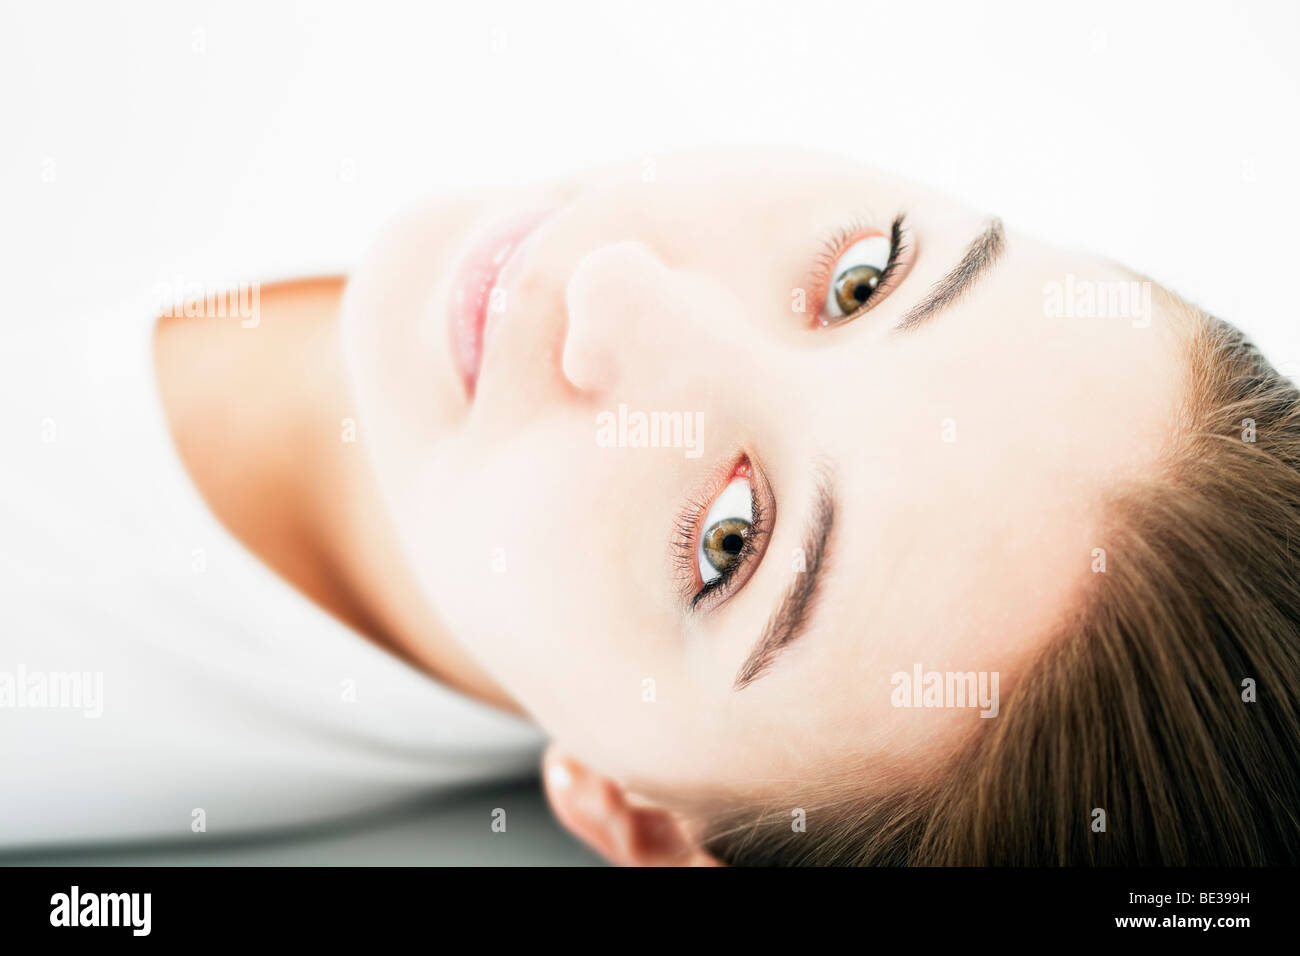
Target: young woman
812, 516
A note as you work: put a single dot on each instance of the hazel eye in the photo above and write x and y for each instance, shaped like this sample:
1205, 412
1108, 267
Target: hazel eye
727, 528
723, 543
855, 277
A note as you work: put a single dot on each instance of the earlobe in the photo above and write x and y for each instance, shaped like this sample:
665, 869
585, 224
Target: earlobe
599, 813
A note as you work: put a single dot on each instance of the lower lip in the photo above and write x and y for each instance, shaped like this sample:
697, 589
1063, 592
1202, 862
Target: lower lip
472, 285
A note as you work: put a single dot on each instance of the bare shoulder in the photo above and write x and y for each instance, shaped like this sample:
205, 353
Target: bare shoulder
250, 399
231, 349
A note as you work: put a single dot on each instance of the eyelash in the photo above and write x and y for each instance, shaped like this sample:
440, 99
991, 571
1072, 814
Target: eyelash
835, 245
687, 544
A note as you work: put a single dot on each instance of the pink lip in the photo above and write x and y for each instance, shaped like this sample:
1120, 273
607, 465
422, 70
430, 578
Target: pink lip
471, 289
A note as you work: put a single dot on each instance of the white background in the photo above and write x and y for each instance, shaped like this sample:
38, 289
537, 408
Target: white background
232, 141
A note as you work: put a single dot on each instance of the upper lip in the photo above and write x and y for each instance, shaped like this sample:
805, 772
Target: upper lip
521, 241
477, 275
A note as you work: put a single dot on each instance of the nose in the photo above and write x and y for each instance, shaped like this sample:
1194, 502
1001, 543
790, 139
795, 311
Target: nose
625, 310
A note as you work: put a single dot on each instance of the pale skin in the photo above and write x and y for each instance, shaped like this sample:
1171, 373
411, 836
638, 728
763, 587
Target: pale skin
497, 545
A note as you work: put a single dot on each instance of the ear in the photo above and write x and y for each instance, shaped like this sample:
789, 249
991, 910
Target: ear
624, 831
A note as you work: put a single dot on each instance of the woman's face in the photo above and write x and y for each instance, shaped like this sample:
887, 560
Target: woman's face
858, 478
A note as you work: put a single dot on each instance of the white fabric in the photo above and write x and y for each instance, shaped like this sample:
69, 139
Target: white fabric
224, 689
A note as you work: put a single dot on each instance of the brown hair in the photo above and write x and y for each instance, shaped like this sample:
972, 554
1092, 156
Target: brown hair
1140, 706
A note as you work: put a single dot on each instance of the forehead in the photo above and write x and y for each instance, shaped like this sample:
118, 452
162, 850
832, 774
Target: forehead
970, 460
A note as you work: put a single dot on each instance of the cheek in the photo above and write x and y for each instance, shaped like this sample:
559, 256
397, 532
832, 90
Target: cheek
498, 551
546, 565
510, 547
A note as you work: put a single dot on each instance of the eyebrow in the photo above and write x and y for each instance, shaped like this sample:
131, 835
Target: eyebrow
790, 619
980, 255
